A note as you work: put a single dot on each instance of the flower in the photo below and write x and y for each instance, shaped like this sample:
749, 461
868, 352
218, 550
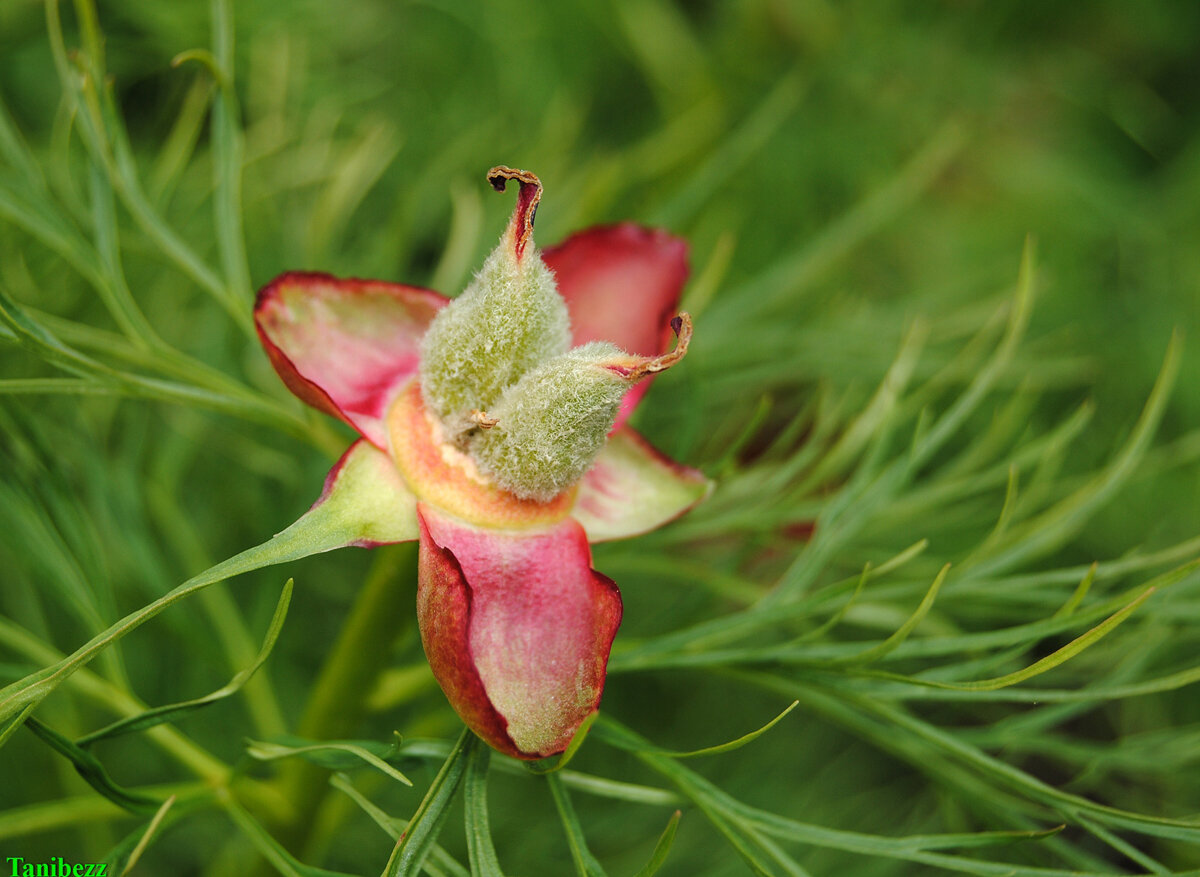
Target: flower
493, 430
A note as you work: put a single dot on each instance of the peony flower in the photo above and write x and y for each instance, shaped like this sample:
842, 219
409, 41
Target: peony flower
493, 430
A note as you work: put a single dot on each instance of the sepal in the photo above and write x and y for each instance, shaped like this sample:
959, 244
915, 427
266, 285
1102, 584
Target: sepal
365, 502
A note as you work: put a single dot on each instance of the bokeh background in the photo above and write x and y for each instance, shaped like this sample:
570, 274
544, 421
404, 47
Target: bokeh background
843, 172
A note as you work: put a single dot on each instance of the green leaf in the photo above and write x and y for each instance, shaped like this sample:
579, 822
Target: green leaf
662, 848
622, 742
423, 829
1078, 595
438, 864
484, 862
92, 771
174, 711
271, 751
591, 785
12, 723
1052, 660
889, 645
585, 863
366, 502
567, 754
271, 849
745, 839
228, 149
850, 707
748, 827
136, 843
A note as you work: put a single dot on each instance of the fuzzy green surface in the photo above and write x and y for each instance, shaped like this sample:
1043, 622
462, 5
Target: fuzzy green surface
552, 422
509, 320
855, 181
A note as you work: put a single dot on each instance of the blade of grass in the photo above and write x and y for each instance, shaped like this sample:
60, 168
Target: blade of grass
1053, 526
172, 712
719, 805
332, 524
228, 151
730, 746
482, 853
897, 639
1054, 659
92, 771
438, 864
283, 861
423, 829
585, 863
661, 849
149, 833
266, 751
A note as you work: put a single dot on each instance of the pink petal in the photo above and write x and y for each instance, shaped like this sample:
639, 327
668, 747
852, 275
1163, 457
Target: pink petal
345, 347
621, 284
517, 627
632, 489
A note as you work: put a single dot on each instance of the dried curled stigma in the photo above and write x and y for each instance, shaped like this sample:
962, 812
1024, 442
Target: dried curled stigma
509, 319
527, 202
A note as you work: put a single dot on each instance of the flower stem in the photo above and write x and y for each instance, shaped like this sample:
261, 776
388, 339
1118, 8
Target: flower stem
361, 652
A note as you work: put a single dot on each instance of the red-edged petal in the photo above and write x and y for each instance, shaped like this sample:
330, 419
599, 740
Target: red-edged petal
345, 347
632, 489
621, 284
517, 628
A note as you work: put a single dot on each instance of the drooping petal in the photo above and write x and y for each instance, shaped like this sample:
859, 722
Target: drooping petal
517, 627
633, 489
345, 347
621, 284
365, 502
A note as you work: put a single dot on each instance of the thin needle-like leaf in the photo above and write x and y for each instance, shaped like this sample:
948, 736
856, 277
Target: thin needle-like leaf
423, 829
171, 712
484, 862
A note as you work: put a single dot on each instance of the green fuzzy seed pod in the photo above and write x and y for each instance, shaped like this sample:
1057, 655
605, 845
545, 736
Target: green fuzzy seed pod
551, 425
509, 319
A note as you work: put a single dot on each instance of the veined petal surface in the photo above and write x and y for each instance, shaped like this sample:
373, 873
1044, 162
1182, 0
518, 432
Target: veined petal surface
517, 628
345, 347
633, 489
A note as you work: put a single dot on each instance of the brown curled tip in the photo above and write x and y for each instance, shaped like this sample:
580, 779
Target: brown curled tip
681, 325
482, 418
527, 202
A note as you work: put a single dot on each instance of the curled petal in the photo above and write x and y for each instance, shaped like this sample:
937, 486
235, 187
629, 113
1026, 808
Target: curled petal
517, 628
345, 347
621, 284
633, 489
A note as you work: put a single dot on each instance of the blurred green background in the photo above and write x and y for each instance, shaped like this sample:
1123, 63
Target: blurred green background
843, 172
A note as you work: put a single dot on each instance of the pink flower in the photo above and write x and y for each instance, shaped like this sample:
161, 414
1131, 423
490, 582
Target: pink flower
515, 622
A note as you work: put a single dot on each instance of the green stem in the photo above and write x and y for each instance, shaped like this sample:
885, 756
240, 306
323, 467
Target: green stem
337, 703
